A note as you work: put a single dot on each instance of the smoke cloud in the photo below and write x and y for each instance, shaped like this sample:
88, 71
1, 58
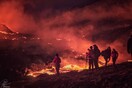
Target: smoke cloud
71, 26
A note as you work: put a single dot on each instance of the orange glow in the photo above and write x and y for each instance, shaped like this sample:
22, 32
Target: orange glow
42, 71
65, 31
72, 67
67, 65
129, 60
51, 71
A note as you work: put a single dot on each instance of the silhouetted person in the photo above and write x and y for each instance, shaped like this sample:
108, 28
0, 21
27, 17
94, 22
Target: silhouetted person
89, 57
106, 54
57, 62
114, 55
129, 46
96, 52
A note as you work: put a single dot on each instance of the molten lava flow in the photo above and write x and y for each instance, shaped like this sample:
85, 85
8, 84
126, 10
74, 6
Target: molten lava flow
72, 67
67, 65
51, 70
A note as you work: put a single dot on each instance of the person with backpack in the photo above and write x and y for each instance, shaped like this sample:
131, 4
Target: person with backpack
114, 55
106, 54
57, 62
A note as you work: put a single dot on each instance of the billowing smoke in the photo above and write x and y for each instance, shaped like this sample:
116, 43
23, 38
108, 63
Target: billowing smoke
12, 15
72, 28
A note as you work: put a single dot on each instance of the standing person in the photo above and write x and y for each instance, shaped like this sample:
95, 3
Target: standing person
89, 57
106, 54
96, 53
57, 62
114, 55
129, 46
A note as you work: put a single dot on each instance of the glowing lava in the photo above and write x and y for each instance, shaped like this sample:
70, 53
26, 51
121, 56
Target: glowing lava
66, 66
51, 70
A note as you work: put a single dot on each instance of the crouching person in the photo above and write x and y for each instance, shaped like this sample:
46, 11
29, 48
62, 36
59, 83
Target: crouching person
57, 62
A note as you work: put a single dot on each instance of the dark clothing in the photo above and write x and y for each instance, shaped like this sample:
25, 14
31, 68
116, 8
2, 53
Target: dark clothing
114, 60
114, 55
90, 64
96, 56
89, 58
57, 67
106, 54
129, 46
57, 62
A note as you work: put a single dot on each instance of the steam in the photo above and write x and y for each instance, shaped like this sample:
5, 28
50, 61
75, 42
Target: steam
71, 29
12, 15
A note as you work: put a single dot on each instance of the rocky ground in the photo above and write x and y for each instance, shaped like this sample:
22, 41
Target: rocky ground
105, 77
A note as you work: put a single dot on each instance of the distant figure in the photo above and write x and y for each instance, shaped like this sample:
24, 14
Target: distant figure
106, 54
57, 62
129, 46
114, 55
89, 57
96, 52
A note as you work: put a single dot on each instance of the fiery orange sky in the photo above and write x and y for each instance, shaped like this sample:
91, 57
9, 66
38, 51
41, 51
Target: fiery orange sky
75, 24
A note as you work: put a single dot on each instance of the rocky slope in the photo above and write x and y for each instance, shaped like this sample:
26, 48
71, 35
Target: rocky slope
105, 77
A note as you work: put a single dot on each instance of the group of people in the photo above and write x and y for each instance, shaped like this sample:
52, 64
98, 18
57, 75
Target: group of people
92, 57
93, 54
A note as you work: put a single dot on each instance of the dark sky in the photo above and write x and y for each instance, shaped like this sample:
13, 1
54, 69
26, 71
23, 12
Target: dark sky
40, 5
35, 7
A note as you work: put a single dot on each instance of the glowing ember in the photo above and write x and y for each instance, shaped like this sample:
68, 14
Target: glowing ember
72, 67
3, 32
14, 38
59, 39
129, 60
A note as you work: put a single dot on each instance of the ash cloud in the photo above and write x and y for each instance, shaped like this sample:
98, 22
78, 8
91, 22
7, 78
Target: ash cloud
71, 24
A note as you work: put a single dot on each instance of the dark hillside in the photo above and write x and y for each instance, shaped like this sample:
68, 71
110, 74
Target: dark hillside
105, 77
